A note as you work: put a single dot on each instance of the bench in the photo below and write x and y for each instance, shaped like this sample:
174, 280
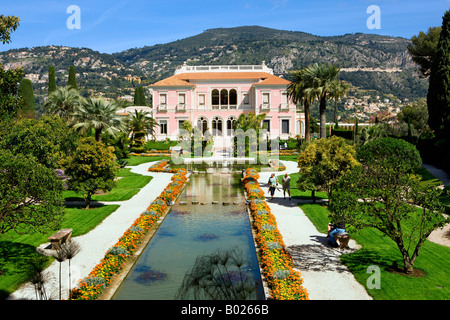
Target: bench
343, 239
59, 238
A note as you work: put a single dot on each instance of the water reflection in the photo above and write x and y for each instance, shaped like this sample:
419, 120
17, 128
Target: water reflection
191, 231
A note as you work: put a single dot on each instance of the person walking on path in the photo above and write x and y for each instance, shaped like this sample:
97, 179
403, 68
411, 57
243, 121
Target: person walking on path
272, 185
286, 183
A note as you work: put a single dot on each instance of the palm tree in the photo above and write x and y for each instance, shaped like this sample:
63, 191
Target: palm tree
299, 91
98, 114
141, 122
62, 102
249, 121
338, 90
321, 79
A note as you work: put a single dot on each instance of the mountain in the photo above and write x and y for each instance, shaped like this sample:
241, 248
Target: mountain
368, 61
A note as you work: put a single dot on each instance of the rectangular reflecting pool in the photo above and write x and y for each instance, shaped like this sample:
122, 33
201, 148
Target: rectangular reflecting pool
209, 215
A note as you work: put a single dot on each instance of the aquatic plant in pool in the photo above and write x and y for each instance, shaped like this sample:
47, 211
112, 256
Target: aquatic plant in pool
206, 237
220, 275
149, 276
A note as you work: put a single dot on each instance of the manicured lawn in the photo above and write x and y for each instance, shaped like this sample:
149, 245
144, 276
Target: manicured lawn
293, 158
18, 252
137, 160
127, 186
381, 251
303, 195
159, 145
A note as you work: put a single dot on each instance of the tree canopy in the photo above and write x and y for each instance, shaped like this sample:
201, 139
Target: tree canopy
91, 167
438, 98
30, 195
385, 194
25, 91
48, 139
323, 162
423, 49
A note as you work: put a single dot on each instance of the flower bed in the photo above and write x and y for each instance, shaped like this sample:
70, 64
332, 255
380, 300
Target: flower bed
101, 276
284, 282
276, 164
163, 166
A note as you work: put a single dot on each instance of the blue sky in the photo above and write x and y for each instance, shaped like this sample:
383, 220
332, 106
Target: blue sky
116, 25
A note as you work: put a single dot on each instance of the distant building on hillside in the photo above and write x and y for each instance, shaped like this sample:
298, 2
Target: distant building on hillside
213, 97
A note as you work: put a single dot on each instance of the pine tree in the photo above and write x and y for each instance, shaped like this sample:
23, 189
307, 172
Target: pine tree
51, 80
72, 78
438, 98
28, 109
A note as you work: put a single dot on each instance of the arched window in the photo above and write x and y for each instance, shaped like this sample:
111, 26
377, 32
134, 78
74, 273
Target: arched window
230, 125
233, 98
215, 99
224, 97
217, 126
202, 124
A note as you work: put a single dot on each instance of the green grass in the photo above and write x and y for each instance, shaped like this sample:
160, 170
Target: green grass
293, 158
381, 251
137, 160
18, 252
301, 195
159, 145
126, 187
82, 221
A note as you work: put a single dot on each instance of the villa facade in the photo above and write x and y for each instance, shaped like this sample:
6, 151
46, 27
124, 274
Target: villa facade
213, 97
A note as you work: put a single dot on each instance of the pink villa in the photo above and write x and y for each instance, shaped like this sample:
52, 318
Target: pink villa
213, 97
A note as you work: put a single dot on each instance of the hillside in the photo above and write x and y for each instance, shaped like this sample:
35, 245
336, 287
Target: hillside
361, 56
369, 62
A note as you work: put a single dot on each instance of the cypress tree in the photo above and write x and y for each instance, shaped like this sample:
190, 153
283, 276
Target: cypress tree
72, 78
137, 98
438, 98
28, 109
142, 97
51, 80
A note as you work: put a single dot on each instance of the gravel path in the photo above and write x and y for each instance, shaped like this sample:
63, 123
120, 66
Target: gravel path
324, 276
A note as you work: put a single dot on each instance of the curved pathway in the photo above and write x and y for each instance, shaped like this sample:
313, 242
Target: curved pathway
97, 242
324, 276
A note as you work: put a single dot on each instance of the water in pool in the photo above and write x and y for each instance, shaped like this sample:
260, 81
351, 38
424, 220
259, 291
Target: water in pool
190, 231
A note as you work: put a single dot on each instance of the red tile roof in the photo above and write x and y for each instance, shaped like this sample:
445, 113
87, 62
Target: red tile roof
183, 79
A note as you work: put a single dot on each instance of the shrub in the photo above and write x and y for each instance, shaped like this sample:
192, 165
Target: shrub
116, 250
